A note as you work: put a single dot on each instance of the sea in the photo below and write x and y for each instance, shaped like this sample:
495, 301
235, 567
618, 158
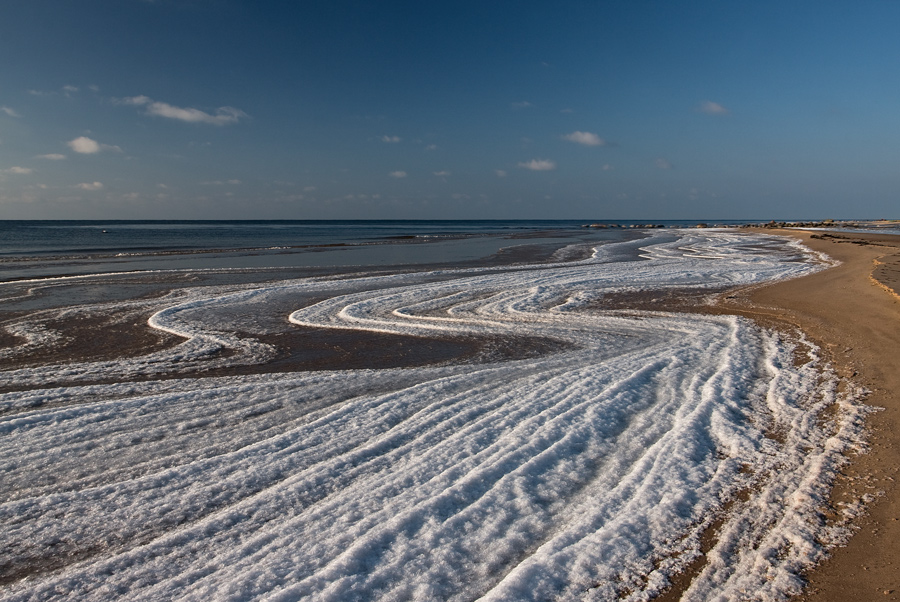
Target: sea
480, 410
44, 248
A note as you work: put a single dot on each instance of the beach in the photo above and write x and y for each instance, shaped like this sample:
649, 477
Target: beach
501, 431
852, 311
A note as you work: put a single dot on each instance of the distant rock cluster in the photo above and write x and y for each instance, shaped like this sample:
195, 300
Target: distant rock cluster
827, 223
642, 226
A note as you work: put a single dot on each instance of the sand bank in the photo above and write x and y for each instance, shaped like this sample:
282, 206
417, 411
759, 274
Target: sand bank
853, 313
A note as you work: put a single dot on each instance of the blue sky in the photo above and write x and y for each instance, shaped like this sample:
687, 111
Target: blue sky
227, 109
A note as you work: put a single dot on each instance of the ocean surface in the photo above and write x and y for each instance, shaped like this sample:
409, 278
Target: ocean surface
230, 429
44, 248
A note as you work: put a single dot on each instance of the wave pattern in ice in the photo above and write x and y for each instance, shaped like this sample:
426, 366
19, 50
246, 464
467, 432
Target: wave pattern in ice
589, 473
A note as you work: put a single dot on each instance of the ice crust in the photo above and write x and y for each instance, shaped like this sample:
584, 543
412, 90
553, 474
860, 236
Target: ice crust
586, 474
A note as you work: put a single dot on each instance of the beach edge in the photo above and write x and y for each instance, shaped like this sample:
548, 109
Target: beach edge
855, 319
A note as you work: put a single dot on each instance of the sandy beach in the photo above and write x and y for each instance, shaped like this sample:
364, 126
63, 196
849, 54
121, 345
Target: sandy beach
851, 311
849, 314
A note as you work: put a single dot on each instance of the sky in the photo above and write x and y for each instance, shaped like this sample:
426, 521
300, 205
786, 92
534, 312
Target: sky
240, 109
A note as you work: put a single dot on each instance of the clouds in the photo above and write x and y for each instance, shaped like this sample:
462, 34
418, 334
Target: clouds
222, 183
663, 164
390, 139
712, 108
18, 171
85, 146
222, 115
52, 157
398, 174
90, 186
585, 138
539, 165
9, 111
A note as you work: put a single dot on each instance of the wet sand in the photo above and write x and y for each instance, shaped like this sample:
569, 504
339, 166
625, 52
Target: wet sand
852, 312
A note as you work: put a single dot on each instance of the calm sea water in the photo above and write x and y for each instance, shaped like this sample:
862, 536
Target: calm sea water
30, 249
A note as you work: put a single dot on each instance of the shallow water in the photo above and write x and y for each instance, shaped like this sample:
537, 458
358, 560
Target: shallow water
585, 471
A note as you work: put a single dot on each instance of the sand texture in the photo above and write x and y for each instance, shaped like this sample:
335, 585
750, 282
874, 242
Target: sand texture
853, 312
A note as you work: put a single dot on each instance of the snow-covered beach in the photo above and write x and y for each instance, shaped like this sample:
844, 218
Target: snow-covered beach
587, 470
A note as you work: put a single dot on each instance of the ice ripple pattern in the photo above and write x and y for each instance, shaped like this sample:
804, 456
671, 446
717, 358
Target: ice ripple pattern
587, 474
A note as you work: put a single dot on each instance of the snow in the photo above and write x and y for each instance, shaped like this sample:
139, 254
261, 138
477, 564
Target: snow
588, 473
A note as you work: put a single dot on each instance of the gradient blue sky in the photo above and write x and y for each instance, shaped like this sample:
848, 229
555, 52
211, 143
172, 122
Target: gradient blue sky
221, 109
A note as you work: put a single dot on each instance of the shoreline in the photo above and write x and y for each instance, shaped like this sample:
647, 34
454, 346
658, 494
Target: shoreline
841, 309
852, 315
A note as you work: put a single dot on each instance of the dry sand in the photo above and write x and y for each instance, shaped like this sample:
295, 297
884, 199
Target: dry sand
855, 319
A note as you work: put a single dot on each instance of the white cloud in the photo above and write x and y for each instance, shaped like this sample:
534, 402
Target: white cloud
607, 167
539, 165
84, 145
500, 173
221, 183
522, 105
9, 111
89, 186
69, 90
87, 146
390, 139
663, 164
19, 171
397, 174
137, 101
222, 116
52, 157
713, 108
585, 138
442, 174
431, 147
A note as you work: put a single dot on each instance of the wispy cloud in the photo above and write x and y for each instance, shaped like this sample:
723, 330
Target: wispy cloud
539, 165
89, 186
585, 138
222, 183
442, 174
88, 146
52, 157
222, 115
712, 108
663, 164
19, 171
397, 174
390, 139
9, 111
522, 105
500, 173
431, 147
